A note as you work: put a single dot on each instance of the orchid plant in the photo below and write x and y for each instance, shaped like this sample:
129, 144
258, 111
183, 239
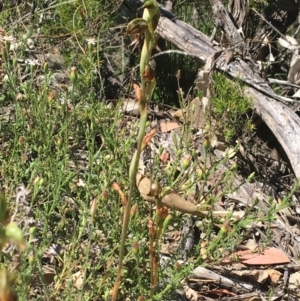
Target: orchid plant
139, 27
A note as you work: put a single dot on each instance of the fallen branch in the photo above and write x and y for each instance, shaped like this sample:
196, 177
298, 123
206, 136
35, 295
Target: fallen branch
281, 120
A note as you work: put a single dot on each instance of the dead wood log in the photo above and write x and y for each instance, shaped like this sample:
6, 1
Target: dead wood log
223, 21
281, 120
239, 11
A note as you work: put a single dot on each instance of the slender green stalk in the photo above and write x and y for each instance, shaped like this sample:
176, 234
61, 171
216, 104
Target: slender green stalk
146, 26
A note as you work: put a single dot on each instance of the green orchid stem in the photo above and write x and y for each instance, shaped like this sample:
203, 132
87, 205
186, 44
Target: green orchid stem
146, 26
132, 179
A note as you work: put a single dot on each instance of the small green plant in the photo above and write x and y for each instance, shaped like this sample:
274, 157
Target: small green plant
229, 108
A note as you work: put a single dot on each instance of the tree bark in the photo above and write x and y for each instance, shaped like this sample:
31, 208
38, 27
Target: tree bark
282, 120
223, 21
239, 10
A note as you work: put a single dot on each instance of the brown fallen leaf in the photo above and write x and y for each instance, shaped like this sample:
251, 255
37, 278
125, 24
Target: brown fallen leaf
78, 278
274, 275
196, 113
266, 257
251, 244
164, 157
148, 138
166, 126
176, 202
190, 293
260, 276
172, 200
130, 106
178, 114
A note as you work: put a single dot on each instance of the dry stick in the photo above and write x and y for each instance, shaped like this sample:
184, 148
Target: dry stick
281, 82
